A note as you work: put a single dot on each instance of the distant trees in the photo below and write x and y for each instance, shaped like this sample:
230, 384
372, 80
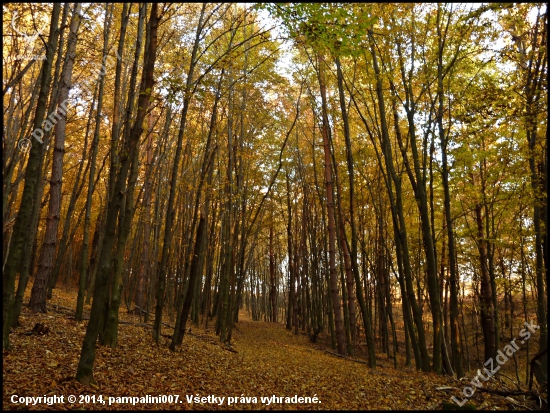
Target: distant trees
409, 108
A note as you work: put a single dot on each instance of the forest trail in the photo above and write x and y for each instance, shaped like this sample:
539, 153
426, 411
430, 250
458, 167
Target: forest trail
370, 168
265, 360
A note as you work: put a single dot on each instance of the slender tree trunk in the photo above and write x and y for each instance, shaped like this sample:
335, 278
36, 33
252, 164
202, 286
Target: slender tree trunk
32, 176
227, 276
194, 274
85, 367
126, 213
418, 182
486, 299
402, 251
273, 291
207, 293
170, 213
455, 332
534, 66
367, 323
31, 241
68, 219
291, 270
144, 269
296, 295
490, 234
47, 254
110, 332
195, 268
97, 242
306, 299
335, 296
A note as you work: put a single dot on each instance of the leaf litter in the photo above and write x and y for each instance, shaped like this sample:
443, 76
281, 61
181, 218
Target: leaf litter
265, 360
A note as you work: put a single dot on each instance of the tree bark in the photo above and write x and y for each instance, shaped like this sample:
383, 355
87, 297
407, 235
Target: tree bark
30, 242
367, 323
85, 367
486, 299
335, 296
91, 186
272, 290
32, 175
170, 213
47, 254
109, 336
455, 332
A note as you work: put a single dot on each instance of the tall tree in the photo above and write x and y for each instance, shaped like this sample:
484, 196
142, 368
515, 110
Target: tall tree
335, 296
85, 367
367, 323
32, 175
170, 211
455, 335
533, 67
91, 184
47, 253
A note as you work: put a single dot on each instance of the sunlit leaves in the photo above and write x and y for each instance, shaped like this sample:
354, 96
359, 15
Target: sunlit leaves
338, 27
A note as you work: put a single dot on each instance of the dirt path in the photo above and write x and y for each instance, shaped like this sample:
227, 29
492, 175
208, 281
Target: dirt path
265, 361
287, 365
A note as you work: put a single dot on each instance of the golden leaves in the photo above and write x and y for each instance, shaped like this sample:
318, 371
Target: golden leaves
269, 362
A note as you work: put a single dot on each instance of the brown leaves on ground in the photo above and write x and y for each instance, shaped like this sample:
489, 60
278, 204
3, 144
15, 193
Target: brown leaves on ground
267, 361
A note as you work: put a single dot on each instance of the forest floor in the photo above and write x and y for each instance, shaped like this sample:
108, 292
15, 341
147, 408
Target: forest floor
264, 365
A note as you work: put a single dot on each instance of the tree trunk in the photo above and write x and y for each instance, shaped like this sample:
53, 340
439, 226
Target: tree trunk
85, 367
109, 336
272, 290
30, 241
335, 296
47, 254
170, 213
418, 182
486, 299
194, 274
402, 250
26, 261
367, 323
455, 332
534, 66
291, 271
195, 268
32, 176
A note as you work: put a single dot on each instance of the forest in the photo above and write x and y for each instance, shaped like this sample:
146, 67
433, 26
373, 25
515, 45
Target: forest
275, 206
